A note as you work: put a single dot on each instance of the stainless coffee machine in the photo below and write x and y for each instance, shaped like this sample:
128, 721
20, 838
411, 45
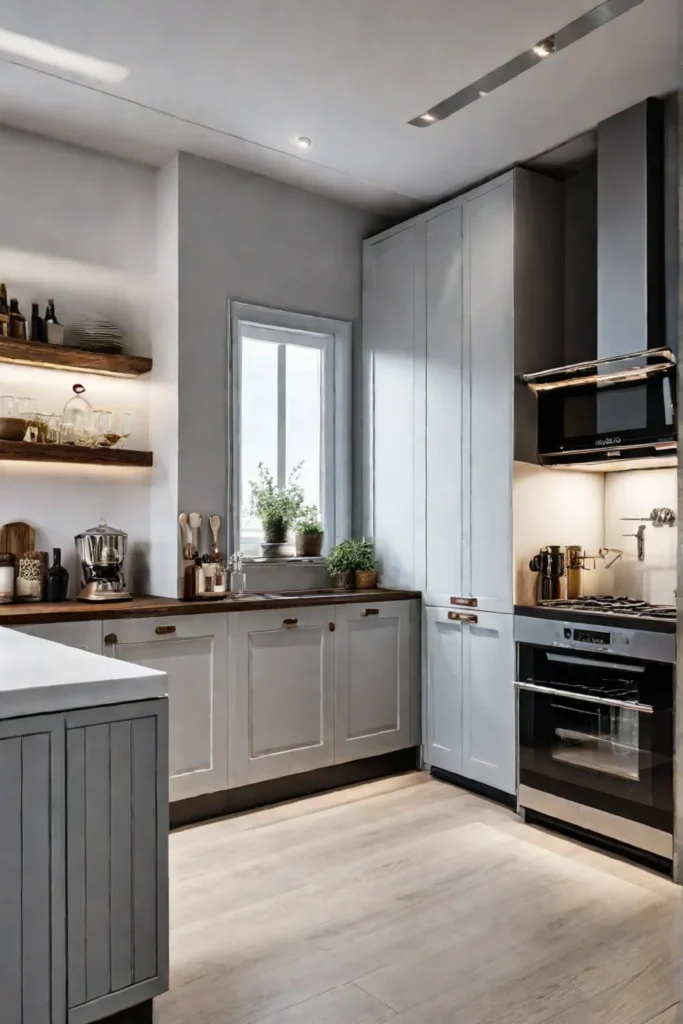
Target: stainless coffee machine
550, 565
102, 551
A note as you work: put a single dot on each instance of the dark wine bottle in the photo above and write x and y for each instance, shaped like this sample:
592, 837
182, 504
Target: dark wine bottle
37, 326
4, 312
57, 578
17, 321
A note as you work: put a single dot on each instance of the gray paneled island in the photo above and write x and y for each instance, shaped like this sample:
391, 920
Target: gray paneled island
83, 835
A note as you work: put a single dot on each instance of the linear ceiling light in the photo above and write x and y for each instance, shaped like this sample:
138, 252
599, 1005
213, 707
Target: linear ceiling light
57, 57
563, 38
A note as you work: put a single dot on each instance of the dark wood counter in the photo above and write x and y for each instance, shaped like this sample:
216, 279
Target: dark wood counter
139, 607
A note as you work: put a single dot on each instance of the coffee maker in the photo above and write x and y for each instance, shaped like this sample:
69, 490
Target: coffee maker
102, 551
549, 564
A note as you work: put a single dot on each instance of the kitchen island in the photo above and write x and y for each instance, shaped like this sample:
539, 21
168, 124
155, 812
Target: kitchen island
83, 843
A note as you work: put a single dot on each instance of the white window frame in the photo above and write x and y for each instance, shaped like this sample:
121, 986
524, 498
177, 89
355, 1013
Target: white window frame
337, 340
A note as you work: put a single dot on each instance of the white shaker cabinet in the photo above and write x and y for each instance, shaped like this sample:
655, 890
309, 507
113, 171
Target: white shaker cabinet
281, 714
470, 713
374, 691
87, 636
193, 651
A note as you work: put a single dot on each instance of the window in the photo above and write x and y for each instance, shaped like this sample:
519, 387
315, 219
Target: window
291, 408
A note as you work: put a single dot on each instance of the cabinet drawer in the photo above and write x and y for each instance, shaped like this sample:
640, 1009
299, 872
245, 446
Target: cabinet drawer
142, 631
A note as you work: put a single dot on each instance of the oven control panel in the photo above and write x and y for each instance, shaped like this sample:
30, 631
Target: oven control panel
636, 643
594, 637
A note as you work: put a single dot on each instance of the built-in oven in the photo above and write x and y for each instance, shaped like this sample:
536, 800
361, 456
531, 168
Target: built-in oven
595, 730
608, 410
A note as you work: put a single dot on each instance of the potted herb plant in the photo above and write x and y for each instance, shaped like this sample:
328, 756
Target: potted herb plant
308, 532
277, 508
341, 565
365, 565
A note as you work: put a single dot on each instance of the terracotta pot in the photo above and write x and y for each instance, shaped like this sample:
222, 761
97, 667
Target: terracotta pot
342, 581
366, 579
309, 544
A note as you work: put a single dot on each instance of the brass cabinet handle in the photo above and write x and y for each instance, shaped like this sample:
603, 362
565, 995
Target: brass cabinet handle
369, 611
465, 602
332, 627
460, 617
290, 623
111, 639
164, 630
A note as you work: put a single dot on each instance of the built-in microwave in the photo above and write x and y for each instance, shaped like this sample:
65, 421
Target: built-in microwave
608, 410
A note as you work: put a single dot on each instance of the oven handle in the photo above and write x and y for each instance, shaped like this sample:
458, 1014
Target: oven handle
569, 660
644, 709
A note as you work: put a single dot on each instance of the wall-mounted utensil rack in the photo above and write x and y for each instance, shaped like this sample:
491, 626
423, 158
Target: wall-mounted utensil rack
61, 357
28, 451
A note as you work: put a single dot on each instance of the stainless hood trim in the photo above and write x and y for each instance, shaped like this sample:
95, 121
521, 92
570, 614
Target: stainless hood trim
568, 374
664, 446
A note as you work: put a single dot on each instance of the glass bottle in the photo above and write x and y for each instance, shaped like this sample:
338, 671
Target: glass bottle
238, 578
54, 332
17, 321
37, 327
4, 312
57, 579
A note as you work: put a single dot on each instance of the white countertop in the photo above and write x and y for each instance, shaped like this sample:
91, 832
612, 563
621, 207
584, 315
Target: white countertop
39, 676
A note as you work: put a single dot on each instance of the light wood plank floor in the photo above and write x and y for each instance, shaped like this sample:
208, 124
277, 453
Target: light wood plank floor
408, 900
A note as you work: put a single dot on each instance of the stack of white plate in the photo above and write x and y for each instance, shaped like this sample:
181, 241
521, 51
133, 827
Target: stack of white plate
94, 334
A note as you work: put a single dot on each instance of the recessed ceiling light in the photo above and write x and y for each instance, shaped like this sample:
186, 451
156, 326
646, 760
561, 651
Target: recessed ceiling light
483, 92
302, 142
427, 117
544, 48
57, 57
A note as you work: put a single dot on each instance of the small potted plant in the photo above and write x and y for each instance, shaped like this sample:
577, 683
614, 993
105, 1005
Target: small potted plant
277, 508
366, 565
308, 532
341, 565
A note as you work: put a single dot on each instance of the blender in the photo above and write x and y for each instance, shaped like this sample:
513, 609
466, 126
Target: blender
102, 551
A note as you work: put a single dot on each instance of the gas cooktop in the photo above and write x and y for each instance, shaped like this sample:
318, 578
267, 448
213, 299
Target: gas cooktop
614, 606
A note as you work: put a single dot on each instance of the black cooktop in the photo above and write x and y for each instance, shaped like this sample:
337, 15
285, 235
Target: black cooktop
619, 611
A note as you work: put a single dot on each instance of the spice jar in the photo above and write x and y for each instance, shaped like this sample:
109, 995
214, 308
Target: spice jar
6, 578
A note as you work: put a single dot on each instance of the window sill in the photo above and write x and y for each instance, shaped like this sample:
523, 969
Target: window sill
294, 560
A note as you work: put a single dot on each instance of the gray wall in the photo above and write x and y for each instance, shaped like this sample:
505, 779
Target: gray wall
249, 238
581, 265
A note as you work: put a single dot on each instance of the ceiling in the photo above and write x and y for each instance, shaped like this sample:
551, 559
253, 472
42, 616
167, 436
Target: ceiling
236, 80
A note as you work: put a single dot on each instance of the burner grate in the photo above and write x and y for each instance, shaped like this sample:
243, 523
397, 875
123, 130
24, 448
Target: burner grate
615, 606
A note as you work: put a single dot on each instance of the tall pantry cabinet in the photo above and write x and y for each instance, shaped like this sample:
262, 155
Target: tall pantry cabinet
456, 303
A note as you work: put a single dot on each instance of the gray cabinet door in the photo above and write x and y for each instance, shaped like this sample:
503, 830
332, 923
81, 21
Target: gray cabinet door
488, 275
443, 690
488, 702
281, 708
87, 636
192, 651
444, 442
117, 858
32, 960
393, 341
373, 679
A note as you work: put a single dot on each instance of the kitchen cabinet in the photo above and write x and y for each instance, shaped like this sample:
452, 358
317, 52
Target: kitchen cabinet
87, 636
374, 690
193, 651
281, 710
83, 863
470, 713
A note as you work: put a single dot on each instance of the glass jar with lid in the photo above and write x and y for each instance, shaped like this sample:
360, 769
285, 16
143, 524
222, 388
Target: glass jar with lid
78, 419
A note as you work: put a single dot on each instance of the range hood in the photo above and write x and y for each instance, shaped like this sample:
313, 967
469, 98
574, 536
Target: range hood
620, 406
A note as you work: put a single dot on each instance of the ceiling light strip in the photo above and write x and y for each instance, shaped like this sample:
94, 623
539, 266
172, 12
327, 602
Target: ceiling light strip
564, 37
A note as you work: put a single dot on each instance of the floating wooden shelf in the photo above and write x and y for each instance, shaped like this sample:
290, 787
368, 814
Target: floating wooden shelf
61, 357
27, 451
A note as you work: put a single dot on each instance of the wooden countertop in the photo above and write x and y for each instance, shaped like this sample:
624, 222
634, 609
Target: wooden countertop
140, 607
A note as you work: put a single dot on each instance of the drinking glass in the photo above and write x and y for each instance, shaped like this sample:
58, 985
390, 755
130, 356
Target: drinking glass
7, 406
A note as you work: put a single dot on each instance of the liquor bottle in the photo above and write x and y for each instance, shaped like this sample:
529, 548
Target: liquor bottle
37, 326
57, 579
17, 321
54, 332
4, 313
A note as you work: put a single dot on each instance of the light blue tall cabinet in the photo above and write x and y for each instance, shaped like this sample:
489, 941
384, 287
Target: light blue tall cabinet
458, 301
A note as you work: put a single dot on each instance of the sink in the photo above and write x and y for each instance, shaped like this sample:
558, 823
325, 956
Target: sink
287, 595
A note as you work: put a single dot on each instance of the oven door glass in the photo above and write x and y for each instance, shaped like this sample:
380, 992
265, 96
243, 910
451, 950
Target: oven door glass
578, 741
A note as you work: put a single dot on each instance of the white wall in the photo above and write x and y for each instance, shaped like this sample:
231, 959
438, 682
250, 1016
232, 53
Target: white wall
79, 227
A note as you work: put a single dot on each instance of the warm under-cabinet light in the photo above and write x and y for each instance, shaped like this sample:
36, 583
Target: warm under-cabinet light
427, 117
545, 48
58, 57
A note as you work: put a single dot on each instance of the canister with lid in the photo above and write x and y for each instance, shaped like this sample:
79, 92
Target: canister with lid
7, 574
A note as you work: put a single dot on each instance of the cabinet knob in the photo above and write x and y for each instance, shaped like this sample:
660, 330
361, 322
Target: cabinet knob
461, 617
332, 627
111, 639
290, 623
465, 602
164, 630
369, 611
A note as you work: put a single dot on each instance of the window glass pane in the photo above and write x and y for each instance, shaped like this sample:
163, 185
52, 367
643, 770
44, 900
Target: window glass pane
259, 428
304, 419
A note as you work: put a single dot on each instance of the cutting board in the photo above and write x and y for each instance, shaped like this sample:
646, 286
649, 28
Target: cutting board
17, 538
